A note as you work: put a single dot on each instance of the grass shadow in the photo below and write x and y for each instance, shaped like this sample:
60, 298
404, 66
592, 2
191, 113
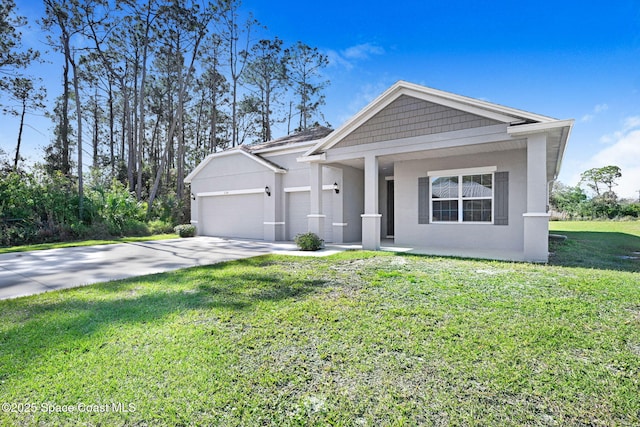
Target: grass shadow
42, 326
599, 250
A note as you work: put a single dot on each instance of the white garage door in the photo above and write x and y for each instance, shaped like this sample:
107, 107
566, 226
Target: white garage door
298, 205
233, 216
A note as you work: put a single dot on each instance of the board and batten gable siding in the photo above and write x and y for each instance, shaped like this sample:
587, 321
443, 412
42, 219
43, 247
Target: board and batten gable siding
408, 117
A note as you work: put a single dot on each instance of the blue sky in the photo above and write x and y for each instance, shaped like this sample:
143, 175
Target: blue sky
567, 59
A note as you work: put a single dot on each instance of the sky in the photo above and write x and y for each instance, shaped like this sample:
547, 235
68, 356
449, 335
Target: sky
564, 59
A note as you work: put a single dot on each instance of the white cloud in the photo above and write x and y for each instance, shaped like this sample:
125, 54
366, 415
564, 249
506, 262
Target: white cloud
346, 58
624, 152
365, 94
631, 122
362, 51
336, 59
600, 108
596, 110
628, 124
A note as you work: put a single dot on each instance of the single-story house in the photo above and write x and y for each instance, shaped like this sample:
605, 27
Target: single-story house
429, 169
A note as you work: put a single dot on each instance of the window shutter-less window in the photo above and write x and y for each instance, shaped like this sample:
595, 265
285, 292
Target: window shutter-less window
423, 200
501, 201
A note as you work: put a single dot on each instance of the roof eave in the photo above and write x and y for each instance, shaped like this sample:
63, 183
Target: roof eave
532, 128
285, 147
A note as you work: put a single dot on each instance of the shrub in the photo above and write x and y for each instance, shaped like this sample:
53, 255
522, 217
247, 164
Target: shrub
134, 227
309, 242
185, 230
158, 226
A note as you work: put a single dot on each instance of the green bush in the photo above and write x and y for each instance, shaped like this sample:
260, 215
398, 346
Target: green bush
134, 227
120, 210
185, 230
159, 226
309, 242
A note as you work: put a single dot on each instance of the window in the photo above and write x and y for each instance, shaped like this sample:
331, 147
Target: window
462, 196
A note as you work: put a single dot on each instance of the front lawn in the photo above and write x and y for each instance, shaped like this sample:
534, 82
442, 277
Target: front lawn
597, 244
358, 338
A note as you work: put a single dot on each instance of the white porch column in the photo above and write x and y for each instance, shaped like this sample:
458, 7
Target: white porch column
316, 218
371, 217
273, 212
536, 219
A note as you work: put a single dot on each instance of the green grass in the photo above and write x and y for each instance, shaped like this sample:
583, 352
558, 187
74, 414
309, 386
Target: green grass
611, 245
359, 338
57, 245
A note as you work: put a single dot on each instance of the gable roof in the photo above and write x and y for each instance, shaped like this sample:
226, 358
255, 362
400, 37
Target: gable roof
242, 150
304, 136
480, 108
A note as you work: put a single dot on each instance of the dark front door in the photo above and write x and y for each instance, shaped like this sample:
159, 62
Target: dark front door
390, 216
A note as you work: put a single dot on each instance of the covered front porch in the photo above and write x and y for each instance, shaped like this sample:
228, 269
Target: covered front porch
393, 205
445, 173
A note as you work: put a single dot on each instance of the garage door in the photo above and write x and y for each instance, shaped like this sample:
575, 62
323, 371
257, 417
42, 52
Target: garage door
233, 216
298, 205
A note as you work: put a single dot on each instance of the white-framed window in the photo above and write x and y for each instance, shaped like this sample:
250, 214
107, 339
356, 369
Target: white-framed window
462, 195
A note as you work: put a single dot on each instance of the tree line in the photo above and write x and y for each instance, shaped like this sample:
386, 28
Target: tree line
150, 88
573, 202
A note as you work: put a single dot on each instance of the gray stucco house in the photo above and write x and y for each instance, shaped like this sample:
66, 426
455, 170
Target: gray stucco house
432, 170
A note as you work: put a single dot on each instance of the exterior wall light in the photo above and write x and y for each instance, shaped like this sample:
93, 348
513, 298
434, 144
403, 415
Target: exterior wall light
336, 188
193, 196
267, 190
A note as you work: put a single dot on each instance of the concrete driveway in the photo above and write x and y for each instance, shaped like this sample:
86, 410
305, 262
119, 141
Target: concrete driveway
34, 272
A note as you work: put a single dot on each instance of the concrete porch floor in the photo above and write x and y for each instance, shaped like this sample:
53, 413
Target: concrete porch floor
390, 246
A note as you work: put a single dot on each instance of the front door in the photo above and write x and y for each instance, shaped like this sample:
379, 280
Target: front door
390, 216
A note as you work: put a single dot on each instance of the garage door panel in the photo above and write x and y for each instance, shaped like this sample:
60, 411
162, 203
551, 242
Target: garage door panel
233, 216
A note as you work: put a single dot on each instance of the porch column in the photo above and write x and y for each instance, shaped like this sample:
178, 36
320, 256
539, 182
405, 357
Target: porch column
316, 218
536, 219
273, 212
371, 217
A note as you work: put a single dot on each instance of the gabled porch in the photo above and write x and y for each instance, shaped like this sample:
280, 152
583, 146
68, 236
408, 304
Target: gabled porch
411, 138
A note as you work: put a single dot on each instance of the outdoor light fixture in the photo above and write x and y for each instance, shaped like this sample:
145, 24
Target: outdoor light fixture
193, 196
336, 188
267, 190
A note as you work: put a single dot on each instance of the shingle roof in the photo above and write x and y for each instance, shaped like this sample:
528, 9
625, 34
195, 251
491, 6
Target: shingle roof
313, 134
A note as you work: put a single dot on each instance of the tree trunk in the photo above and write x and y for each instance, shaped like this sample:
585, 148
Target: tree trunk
64, 119
112, 158
131, 153
213, 141
96, 130
24, 110
76, 90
